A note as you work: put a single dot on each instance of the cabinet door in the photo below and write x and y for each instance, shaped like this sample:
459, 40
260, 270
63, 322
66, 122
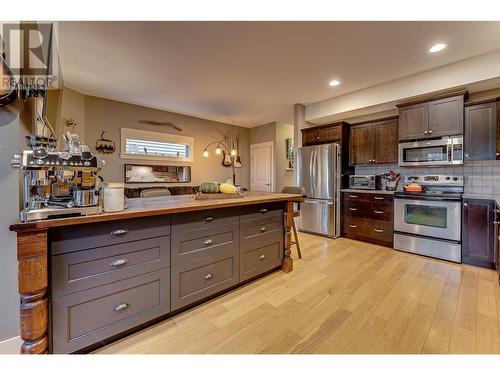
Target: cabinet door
330, 133
414, 121
386, 142
480, 132
478, 232
310, 137
446, 116
361, 145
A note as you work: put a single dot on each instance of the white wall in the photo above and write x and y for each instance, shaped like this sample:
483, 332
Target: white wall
478, 73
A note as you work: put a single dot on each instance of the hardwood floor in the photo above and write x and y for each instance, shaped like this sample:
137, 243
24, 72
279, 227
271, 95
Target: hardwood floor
344, 296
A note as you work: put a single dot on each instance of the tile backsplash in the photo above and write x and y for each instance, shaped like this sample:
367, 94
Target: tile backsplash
480, 177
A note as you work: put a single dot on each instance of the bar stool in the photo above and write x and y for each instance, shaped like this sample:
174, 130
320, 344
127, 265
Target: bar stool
296, 213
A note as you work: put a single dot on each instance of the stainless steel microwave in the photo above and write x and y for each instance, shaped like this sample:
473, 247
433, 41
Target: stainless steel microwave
370, 182
444, 151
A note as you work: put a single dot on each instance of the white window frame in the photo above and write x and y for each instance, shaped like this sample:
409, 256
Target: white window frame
157, 137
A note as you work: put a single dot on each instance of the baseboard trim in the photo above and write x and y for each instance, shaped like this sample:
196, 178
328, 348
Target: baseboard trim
10, 346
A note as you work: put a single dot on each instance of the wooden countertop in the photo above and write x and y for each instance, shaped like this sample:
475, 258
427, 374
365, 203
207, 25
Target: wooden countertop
141, 207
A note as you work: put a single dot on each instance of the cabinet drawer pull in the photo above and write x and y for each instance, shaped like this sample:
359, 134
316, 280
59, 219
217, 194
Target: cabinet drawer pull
352, 226
378, 212
263, 229
119, 232
352, 209
378, 198
209, 219
430, 131
118, 262
121, 307
379, 230
353, 196
263, 210
262, 257
425, 131
208, 276
208, 242
496, 222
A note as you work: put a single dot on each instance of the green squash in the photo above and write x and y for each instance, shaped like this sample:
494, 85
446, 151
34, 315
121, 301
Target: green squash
209, 187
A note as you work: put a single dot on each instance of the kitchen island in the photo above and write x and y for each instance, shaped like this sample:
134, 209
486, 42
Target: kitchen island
89, 279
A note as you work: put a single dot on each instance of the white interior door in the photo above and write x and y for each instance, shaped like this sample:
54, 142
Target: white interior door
261, 170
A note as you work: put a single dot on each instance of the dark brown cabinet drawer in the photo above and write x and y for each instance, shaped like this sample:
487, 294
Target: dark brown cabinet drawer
198, 220
261, 211
264, 256
203, 277
86, 269
189, 246
365, 229
374, 211
87, 236
368, 197
84, 318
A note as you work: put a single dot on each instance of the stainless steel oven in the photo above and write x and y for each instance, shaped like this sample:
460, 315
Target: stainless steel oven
430, 223
444, 151
428, 216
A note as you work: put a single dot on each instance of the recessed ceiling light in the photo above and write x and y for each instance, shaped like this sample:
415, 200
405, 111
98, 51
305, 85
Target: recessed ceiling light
437, 47
334, 83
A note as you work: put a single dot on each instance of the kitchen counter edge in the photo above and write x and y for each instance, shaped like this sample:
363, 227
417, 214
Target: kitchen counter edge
141, 207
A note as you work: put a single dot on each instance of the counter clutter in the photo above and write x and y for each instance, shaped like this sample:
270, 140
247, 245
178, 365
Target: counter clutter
115, 272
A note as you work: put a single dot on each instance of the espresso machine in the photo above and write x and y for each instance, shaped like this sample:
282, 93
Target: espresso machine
58, 183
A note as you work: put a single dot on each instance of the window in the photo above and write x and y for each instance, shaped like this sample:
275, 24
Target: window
148, 145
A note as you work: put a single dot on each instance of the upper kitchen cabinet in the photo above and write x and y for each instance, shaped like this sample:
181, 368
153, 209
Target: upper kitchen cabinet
323, 134
414, 121
480, 137
433, 118
361, 145
446, 116
374, 142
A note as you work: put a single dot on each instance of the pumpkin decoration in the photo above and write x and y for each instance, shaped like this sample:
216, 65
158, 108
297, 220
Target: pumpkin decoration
105, 146
227, 188
209, 187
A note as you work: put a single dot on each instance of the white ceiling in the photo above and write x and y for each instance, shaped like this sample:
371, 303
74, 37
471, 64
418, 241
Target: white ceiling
251, 73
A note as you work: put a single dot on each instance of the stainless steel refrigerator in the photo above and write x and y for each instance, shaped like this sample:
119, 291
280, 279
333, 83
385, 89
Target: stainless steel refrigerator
319, 173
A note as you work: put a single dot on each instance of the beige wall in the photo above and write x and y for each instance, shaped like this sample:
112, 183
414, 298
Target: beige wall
276, 133
284, 177
109, 115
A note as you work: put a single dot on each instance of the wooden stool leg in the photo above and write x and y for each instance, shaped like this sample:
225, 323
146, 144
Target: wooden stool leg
296, 239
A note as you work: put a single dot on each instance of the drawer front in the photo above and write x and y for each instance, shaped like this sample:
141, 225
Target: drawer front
370, 229
262, 257
259, 211
87, 236
73, 272
199, 220
84, 318
264, 231
203, 277
368, 197
369, 210
190, 246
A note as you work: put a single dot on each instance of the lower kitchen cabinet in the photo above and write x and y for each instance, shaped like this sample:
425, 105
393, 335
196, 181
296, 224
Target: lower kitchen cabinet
127, 273
478, 234
368, 217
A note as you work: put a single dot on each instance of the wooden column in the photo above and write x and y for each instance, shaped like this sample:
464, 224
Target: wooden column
287, 265
33, 283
